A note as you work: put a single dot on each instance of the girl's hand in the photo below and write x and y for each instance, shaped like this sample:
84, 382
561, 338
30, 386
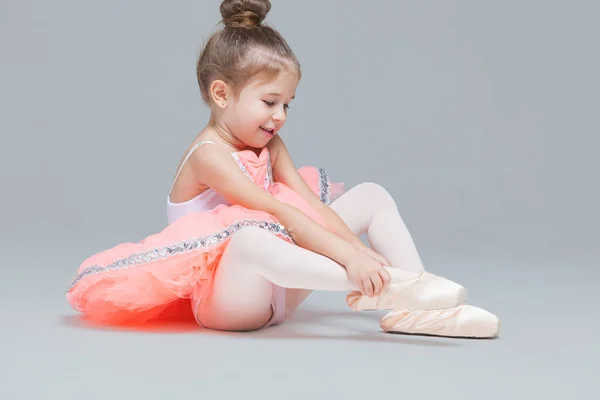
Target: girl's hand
373, 254
367, 273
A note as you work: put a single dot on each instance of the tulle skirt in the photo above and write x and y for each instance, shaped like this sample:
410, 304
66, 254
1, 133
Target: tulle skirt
154, 278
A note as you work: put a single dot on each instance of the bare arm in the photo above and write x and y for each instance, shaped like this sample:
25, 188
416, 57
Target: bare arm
216, 168
285, 172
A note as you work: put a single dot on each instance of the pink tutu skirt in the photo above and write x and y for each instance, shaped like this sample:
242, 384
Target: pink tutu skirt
155, 277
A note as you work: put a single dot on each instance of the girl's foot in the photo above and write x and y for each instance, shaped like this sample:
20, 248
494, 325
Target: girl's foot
428, 291
462, 321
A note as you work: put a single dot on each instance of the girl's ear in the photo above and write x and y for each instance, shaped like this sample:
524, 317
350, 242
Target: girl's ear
219, 92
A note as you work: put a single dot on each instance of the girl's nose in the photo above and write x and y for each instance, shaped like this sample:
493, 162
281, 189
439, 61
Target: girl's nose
280, 116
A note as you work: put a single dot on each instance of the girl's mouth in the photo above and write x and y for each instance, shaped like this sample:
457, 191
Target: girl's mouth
268, 130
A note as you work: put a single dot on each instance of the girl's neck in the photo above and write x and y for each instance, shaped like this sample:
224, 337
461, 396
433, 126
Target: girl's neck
215, 132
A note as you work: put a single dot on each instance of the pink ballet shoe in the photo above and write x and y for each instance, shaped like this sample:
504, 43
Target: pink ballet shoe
428, 291
462, 321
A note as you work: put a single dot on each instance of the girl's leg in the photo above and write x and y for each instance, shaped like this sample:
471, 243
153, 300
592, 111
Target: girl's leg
387, 234
369, 208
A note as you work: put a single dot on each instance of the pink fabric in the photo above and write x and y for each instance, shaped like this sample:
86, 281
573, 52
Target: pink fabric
155, 277
278, 304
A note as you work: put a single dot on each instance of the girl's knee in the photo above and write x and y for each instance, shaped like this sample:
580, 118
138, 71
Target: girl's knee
374, 193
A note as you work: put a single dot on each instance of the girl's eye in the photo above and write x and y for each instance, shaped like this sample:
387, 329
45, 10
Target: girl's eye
272, 103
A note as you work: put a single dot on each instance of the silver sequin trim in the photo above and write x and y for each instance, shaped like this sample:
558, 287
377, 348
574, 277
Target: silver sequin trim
242, 166
181, 247
324, 189
269, 174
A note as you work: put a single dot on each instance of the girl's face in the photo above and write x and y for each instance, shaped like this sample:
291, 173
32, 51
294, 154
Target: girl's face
261, 109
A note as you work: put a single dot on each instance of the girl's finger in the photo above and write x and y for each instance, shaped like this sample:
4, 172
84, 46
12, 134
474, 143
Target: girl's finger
368, 287
377, 284
361, 286
385, 276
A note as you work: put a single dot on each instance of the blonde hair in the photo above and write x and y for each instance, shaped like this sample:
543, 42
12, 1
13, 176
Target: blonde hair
245, 49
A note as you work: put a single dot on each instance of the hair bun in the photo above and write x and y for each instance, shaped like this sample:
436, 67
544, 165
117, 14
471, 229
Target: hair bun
244, 13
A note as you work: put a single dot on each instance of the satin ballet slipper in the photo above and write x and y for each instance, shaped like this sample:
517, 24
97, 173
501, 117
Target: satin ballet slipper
464, 321
428, 291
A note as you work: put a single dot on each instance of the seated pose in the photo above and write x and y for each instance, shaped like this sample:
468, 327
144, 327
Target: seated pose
249, 236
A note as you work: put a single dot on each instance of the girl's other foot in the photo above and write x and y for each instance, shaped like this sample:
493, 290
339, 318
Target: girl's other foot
463, 321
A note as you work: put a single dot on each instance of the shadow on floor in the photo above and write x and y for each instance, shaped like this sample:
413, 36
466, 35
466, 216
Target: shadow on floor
296, 328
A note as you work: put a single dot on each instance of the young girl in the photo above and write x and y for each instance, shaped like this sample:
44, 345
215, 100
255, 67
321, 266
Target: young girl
249, 235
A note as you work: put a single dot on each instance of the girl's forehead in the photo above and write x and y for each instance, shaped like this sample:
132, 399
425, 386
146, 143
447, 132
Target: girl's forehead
284, 84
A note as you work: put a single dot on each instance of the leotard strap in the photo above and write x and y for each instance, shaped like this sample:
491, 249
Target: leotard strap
186, 158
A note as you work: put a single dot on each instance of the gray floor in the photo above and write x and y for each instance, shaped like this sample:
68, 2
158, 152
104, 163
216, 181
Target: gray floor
478, 117
547, 349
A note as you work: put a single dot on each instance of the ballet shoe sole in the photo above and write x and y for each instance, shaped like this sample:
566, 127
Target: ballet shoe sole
466, 337
490, 332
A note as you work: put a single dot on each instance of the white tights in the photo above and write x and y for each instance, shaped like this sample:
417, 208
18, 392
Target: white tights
255, 258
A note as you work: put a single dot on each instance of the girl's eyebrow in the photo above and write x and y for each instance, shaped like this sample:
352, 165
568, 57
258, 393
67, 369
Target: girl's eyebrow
278, 94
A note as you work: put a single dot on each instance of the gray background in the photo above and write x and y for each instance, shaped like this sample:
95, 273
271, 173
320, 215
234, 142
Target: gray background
479, 117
